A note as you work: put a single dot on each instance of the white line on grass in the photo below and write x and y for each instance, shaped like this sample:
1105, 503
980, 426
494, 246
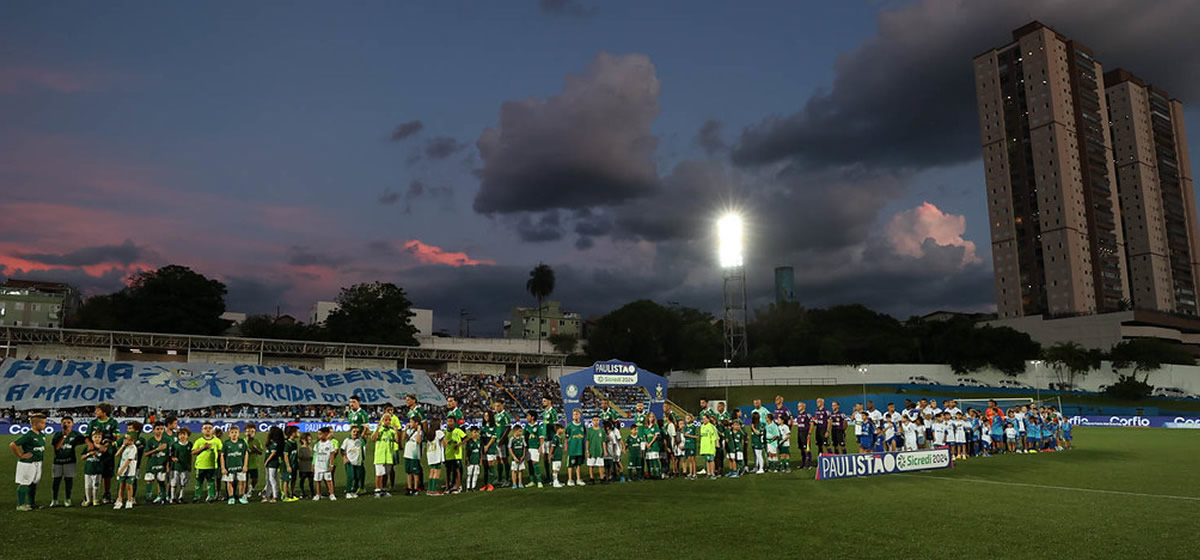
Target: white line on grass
1049, 487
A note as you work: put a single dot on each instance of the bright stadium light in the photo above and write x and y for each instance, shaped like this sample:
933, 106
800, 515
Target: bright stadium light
729, 239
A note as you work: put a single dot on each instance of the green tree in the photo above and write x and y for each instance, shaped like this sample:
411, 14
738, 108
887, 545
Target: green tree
540, 285
563, 343
266, 326
1145, 355
967, 348
700, 343
375, 313
1072, 360
172, 299
101, 312
657, 338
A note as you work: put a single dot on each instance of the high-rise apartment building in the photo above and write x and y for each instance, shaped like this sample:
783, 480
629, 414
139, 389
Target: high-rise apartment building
1055, 201
1155, 183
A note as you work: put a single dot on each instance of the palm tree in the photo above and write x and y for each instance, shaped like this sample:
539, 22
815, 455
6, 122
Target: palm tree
540, 285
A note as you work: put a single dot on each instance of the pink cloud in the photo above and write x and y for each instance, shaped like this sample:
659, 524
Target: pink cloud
429, 254
908, 230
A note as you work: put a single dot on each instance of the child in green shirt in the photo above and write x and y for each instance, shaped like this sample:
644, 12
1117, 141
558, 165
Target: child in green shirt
181, 465
595, 450
473, 449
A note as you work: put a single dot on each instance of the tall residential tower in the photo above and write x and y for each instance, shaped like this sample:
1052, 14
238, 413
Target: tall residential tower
1061, 203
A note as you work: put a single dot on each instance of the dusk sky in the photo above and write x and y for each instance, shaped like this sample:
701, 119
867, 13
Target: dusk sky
289, 149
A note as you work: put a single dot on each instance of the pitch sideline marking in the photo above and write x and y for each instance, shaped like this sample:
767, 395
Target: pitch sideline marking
1050, 487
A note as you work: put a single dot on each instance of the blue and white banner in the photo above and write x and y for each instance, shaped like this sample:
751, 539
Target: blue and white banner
1133, 421
45, 383
891, 462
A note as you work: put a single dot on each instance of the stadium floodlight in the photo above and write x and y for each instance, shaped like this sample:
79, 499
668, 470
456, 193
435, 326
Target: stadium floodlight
729, 239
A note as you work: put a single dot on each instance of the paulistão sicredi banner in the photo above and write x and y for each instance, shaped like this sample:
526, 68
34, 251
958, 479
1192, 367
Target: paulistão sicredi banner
29, 384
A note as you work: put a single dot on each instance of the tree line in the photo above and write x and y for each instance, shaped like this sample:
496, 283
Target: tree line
175, 299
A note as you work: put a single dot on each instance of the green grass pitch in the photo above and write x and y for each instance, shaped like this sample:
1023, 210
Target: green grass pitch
1123, 493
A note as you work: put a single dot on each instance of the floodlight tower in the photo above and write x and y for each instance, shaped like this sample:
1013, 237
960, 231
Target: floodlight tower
730, 256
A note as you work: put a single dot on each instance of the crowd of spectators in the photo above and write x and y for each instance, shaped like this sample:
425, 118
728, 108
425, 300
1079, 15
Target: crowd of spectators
475, 393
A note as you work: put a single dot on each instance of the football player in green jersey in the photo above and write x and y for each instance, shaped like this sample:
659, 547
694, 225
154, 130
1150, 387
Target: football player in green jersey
65, 443
503, 426
157, 457
549, 417
535, 439
29, 449
356, 416
607, 412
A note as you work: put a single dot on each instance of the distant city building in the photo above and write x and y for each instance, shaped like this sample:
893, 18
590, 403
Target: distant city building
29, 303
1064, 210
784, 282
320, 312
234, 317
422, 319
524, 322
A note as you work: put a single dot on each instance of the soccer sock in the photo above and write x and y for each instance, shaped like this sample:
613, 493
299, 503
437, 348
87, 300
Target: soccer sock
69, 482
149, 491
22, 495
32, 494
54, 487
212, 490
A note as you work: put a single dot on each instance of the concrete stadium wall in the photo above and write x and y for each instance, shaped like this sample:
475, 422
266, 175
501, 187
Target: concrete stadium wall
1037, 374
61, 352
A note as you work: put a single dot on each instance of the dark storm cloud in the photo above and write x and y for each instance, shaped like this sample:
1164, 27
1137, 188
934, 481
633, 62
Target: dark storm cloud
299, 255
905, 97
442, 147
404, 130
564, 8
125, 254
590, 145
540, 228
246, 294
709, 138
107, 282
584, 243
417, 190
895, 284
